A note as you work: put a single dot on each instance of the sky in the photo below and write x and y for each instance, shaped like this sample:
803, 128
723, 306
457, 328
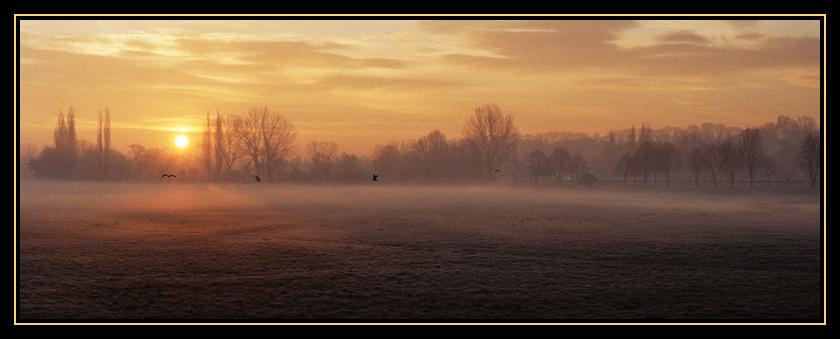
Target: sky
366, 81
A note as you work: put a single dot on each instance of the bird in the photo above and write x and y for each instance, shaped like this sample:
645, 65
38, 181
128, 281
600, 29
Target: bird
375, 176
258, 178
168, 175
498, 171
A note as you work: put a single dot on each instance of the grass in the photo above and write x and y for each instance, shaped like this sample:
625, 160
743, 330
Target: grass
456, 254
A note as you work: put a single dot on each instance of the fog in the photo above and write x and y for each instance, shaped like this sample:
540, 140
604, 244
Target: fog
385, 200
274, 251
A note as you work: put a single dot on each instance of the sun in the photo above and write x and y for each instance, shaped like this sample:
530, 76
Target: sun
181, 141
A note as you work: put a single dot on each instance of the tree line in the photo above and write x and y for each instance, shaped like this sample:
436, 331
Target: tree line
263, 143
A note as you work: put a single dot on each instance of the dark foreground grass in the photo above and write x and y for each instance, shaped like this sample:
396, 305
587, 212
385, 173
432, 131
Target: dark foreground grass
491, 260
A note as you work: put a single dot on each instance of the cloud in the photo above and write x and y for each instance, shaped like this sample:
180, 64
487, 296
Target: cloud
568, 46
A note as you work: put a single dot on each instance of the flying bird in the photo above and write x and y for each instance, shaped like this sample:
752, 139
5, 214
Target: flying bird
258, 178
498, 171
168, 175
374, 177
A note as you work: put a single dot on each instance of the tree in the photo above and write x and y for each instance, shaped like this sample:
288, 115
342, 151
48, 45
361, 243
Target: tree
267, 139
695, 163
386, 161
433, 154
536, 164
712, 159
321, 159
645, 156
768, 166
578, 166
731, 160
218, 147
559, 162
71, 144
229, 149
810, 157
492, 137
349, 168
103, 144
60, 160
206, 148
752, 151
667, 160
623, 166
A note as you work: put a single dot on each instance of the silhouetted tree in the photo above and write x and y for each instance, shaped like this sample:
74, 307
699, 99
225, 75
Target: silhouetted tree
731, 160
60, 160
623, 166
229, 148
103, 144
106, 152
267, 138
578, 166
492, 137
667, 160
349, 168
432, 152
712, 159
207, 148
695, 163
537, 165
321, 159
386, 161
644, 160
810, 157
767, 166
560, 163
752, 151
218, 147
71, 146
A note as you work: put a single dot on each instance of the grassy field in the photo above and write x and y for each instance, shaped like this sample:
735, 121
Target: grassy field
101, 252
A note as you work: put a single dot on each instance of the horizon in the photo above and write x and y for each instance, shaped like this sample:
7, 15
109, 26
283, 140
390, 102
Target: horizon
363, 83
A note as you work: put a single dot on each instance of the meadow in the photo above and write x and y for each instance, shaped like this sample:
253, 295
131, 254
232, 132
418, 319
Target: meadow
379, 252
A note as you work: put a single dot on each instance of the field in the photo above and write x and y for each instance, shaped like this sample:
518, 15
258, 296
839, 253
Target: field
262, 252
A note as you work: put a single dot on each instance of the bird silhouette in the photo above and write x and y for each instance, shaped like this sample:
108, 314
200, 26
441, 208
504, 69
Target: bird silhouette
374, 177
168, 175
258, 178
498, 171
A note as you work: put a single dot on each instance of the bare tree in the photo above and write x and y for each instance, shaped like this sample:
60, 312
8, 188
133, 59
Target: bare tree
752, 151
206, 148
810, 157
386, 161
560, 161
72, 142
278, 142
667, 160
731, 160
218, 146
433, 153
537, 165
712, 159
695, 163
578, 166
267, 138
768, 166
623, 166
106, 138
645, 158
321, 159
349, 168
229, 150
492, 136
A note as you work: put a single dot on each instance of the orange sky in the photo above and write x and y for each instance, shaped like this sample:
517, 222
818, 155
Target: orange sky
360, 83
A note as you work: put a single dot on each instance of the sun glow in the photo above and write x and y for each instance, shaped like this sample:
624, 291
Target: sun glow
181, 141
